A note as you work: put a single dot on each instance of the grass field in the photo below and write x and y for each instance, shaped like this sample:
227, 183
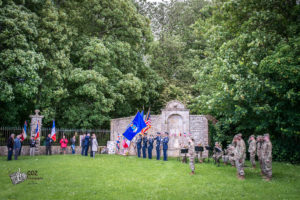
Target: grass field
118, 177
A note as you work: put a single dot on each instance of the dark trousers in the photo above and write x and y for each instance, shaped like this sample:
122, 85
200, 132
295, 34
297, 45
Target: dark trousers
165, 154
157, 153
144, 152
86, 149
20, 149
91, 153
48, 150
150, 152
17, 150
82, 150
139, 152
9, 153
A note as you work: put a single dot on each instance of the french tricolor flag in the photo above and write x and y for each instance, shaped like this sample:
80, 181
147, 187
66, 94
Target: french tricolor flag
126, 143
37, 131
24, 134
53, 132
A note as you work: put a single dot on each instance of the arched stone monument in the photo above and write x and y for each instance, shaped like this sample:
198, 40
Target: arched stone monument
174, 119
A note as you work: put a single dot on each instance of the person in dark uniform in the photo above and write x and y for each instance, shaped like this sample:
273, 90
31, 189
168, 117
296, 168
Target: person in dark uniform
158, 140
145, 141
139, 145
150, 147
49, 145
10, 146
165, 145
82, 144
86, 144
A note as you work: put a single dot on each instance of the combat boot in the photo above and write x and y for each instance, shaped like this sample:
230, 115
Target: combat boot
192, 173
242, 177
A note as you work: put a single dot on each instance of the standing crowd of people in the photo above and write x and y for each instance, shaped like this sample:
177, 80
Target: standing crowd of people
14, 145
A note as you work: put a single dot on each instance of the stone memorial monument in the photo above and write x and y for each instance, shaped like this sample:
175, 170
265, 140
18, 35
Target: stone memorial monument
174, 119
36, 119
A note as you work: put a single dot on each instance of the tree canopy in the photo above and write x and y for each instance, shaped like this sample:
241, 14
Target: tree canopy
84, 62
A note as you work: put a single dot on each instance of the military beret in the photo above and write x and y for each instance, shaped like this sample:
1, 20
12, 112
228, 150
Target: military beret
167, 133
158, 133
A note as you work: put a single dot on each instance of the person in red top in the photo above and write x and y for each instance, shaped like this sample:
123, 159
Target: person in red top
63, 144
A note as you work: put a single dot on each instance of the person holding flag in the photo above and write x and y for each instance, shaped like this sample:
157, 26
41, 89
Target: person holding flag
23, 136
135, 127
126, 144
32, 144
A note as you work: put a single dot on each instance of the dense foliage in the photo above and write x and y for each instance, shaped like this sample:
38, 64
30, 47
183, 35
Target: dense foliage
250, 74
78, 64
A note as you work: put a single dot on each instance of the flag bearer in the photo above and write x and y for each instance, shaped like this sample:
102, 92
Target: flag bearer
145, 140
139, 145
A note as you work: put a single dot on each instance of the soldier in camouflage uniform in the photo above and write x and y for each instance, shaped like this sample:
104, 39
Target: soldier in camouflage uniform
240, 155
191, 145
266, 157
259, 143
252, 150
218, 152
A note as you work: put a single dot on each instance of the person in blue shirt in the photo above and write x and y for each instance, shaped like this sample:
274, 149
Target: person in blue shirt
17, 146
145, 141
158, 141
82, 144
165, 145
150, 147
86, 144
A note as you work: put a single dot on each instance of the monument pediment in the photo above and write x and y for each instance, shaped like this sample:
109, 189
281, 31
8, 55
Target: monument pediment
175, 105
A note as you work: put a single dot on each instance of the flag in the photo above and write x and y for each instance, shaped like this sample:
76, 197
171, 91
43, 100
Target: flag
53, 132
24, 134
125, 143
147, 122
134, 127
37, 132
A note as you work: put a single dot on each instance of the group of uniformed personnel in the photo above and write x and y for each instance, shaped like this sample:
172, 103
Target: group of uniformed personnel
261, 146
146, 144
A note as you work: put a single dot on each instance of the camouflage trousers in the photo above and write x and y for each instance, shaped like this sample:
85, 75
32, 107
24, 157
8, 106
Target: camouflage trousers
252, 159
200, 156
267, 168
231, 160
192, 162
240, 167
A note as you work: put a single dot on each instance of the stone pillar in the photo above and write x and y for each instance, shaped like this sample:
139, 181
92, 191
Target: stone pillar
35, 119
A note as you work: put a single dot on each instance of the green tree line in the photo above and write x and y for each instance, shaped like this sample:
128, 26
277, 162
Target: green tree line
84, 62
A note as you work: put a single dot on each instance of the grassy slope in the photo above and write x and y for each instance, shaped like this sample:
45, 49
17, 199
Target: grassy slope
116, 177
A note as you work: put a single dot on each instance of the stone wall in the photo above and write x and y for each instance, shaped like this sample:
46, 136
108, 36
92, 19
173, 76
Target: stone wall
174, 119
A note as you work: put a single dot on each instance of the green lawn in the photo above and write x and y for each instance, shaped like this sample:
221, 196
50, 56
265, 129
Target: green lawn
118, 177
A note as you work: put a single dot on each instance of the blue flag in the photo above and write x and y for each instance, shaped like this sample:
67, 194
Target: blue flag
142, 114
135, 127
